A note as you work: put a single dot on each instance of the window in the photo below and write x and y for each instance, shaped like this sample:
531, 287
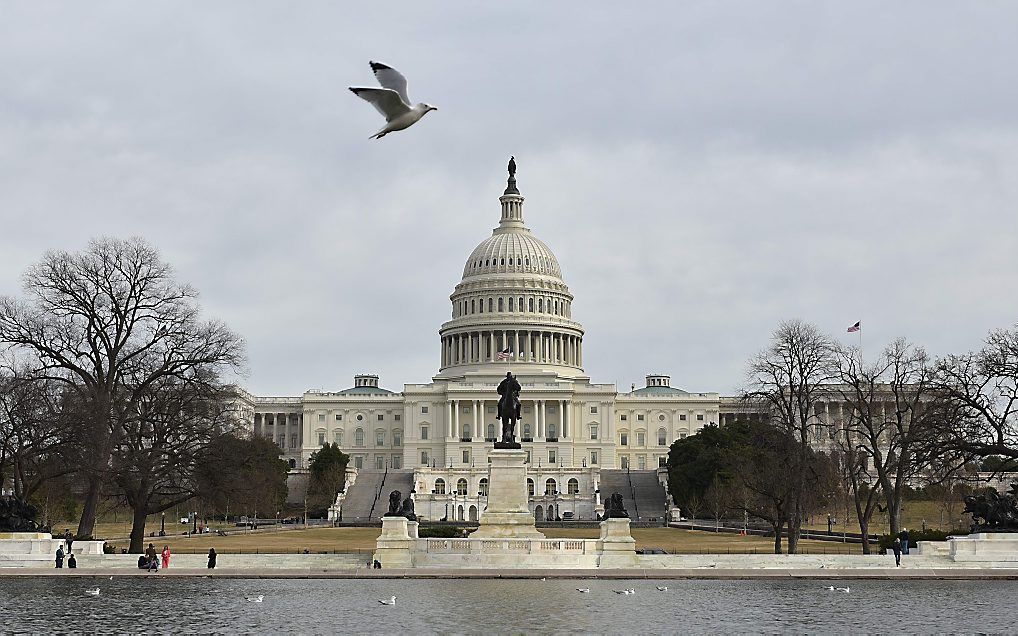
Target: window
339, 417
551, 455
624, 417
625, 461
661, 417
491, 409
639, 418
662, 461
490, 301
641, 461
483, 487
511, 305
573, 486
528, 457
439, 486
466, 455
473, 306
540, 305
466, 431
491, 431
397, 438
530, 305
397, 417
662, 437
321, 438
379, 462
321, 417
682, 436
338, 437
360, 418
550, 488
424, 457
593, 458
501, 304
379, 438
381, 418
424, 432
530, 487
358, 437
358, 462
552, 432
641, 439
526, 431
519, 306
699, 417
682, 418
593, 410
624, 439
593, 431
397, 461
293, 463
461, 486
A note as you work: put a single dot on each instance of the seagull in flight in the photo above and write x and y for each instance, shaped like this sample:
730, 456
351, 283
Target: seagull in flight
390, 601
391, 100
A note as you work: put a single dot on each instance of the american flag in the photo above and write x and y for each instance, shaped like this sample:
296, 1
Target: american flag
856, 327
504, 354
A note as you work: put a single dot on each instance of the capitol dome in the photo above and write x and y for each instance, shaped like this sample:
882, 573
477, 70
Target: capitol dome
511, 297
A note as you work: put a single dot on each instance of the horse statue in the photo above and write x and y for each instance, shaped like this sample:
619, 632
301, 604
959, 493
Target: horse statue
508, 410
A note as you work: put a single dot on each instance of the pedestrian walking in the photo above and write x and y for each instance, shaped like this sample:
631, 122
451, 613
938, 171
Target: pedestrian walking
212, 558
60, 557
166, 556
904, 540
68, 539
896, 546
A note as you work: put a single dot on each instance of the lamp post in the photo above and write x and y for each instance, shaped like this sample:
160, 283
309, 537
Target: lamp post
194, 519
162, 525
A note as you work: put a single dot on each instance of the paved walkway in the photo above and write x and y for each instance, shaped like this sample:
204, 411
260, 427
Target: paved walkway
443, 573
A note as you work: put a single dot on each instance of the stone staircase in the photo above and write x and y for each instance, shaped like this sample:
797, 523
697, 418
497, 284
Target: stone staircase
368, 498
643, 495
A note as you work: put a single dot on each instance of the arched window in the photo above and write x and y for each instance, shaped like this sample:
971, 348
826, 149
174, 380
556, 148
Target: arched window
491, 431
530, 304
511, 304
473, 306
573, 486
358, 437
530, 487
552, 431
480, 307
556, 307
503, 261
483, 487
540, 305
338, 437
379, 438
439, 486
501, 305
397, 437
489, 305
526, 431
550, 487
487, 262
662, 437
519, 306
526, 261
461, 486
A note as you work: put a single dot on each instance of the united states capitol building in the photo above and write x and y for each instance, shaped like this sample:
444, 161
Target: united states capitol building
435, 437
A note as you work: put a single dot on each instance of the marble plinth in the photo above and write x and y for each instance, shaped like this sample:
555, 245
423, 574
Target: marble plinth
394, 547
984, 546
508, 513
616, 544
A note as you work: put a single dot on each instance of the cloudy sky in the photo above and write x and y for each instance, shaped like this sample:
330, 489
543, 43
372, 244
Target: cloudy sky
703, 170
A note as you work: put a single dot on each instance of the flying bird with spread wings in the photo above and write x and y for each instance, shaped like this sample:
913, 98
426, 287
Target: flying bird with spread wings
391, 100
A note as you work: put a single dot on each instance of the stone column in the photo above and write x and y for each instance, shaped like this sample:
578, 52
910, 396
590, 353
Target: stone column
473, 431
448, 420
562, 419
456, 419
491, 344
516, 345
544, 419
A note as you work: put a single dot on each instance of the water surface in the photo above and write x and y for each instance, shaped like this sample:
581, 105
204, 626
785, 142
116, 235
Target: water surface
195, 605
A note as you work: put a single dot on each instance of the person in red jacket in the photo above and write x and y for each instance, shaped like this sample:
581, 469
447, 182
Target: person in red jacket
166, 556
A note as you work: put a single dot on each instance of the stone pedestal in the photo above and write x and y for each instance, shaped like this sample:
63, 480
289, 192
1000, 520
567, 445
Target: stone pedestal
985, 547
394, 546
508, 513
616, 544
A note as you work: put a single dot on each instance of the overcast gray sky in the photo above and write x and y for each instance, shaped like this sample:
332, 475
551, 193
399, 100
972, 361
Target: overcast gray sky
702, 170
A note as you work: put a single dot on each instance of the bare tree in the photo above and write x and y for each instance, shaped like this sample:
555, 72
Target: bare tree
718, 499
791, 376
893, 415
32, 433
157, 460
983, 388
110, 323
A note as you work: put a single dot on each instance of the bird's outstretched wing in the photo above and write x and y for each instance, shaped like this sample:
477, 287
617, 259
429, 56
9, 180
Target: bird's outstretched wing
389, 77
385, 100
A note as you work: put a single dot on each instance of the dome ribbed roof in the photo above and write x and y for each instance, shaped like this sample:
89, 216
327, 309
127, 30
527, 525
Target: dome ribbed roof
513, 251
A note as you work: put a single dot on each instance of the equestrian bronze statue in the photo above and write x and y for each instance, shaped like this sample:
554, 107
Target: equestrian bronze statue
508, 411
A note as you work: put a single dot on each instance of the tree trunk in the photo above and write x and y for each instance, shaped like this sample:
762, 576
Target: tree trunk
138, 530
777, 536
864, 528
794, 527
90, 509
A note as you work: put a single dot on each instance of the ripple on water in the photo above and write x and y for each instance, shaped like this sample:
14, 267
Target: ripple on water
194, 605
